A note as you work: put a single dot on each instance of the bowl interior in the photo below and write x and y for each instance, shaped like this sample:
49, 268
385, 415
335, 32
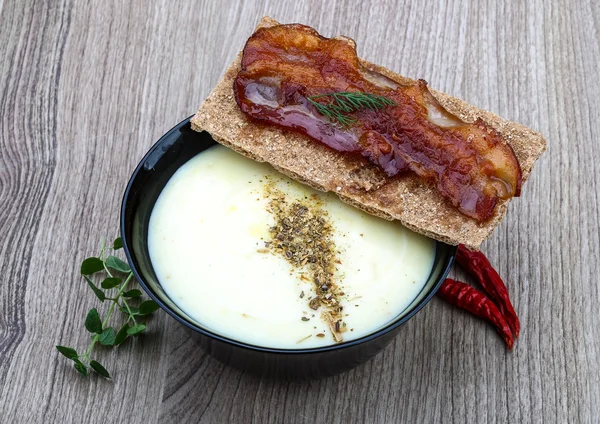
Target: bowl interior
175, 148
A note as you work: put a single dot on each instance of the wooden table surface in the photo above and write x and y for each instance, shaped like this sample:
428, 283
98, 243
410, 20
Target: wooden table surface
87, 87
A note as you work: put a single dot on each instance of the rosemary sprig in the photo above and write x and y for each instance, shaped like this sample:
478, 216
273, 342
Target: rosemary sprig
345, 102
111, 267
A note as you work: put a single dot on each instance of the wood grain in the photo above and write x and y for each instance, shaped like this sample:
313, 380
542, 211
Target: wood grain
87, 87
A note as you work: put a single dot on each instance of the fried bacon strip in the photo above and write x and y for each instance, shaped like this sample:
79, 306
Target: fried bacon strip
284, 65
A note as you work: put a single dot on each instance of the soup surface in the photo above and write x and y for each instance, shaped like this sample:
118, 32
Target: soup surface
211, 245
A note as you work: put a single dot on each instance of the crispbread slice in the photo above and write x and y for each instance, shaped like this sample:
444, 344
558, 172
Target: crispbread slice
416, 204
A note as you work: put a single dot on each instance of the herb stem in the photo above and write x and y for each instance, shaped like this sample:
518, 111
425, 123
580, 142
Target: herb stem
100, 330
129, 310
86, 355
102, 249
119, 296
115, 301
106, 268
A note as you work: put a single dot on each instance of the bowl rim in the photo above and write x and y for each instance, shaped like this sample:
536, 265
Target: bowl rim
205, 332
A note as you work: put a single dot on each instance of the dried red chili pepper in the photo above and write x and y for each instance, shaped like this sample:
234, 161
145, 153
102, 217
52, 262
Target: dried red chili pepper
466, 297
476, 264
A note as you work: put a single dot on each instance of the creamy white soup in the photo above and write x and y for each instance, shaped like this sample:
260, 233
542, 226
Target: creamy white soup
211, 245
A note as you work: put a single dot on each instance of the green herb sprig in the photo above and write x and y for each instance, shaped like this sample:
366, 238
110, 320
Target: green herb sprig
345, 102
117, 276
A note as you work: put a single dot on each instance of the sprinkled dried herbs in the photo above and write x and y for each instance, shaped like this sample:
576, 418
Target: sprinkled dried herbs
303, 235
305, 338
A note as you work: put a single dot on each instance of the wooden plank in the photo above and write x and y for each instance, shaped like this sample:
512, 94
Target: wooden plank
86, 89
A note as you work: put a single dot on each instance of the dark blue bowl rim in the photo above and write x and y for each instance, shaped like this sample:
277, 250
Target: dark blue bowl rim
207, 333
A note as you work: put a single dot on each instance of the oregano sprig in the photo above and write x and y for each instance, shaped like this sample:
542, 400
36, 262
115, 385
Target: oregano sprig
345, 102
116, 277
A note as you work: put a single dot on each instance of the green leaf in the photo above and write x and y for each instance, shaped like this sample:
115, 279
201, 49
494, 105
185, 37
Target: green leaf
99, 293
96, 366
132, 293
91, 265
69, 352
82, 369
136, 329
92, 322
110, 282
122, 334
118, 243
147, 307
107, 337
117, 264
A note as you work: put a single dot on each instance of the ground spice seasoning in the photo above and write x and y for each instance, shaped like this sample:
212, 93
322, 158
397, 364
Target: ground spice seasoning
303, 235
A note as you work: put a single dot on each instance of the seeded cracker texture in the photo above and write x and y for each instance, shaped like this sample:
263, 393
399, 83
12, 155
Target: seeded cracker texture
415, 204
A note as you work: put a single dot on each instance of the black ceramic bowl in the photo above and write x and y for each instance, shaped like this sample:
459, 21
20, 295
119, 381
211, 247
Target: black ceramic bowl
156, 168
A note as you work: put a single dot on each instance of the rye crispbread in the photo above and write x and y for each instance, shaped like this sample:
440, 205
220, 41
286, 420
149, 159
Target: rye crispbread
415, 204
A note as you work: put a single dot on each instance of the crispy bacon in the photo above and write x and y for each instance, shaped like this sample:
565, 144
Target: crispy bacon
469, 163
